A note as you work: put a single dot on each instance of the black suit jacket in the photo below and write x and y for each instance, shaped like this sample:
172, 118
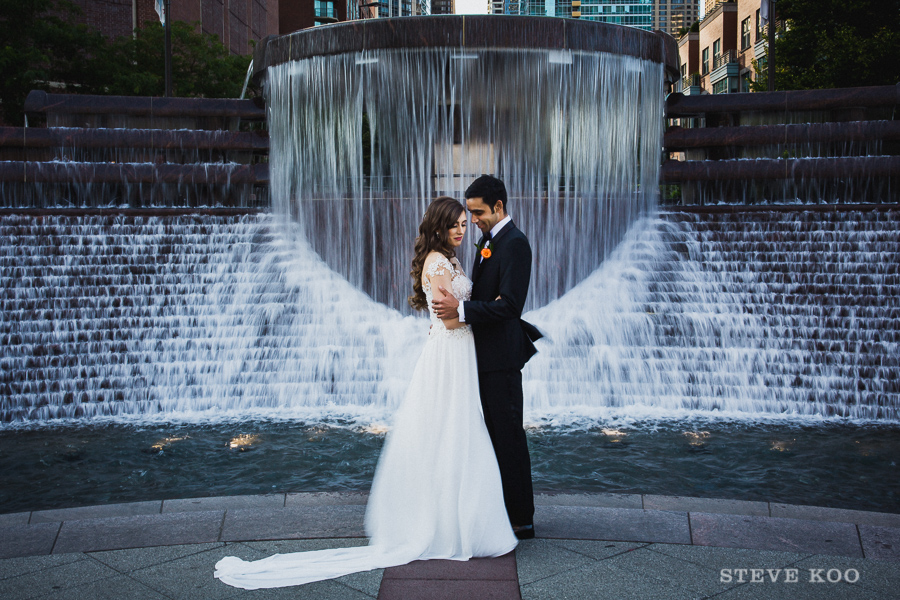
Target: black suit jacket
503, 341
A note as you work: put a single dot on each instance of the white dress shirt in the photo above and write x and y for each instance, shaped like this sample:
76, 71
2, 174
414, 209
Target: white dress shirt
494, 231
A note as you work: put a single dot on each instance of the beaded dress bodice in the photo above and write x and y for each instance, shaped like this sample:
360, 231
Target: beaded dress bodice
461, 290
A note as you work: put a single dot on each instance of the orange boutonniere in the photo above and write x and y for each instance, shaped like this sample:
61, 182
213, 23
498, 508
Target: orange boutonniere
486, 251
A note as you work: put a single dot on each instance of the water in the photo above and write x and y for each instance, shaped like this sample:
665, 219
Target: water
762, 315
362, 142
814, 463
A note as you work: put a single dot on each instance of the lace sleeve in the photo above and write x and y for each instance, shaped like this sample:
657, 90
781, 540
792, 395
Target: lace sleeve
439, 266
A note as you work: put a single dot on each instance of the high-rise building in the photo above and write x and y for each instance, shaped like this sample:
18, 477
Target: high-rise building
443, 7
519, 7
709, 5
668, 15
672, 16
373, 9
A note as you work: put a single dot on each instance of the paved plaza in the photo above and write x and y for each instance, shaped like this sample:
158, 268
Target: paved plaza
588, 546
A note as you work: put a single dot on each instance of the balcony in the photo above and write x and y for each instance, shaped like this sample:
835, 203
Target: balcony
689, 86
724, 65
761, 48
723, 59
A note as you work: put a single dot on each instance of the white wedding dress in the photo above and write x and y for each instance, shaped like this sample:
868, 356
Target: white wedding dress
436, 491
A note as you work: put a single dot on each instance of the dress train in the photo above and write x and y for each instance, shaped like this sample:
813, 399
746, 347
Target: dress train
436, 493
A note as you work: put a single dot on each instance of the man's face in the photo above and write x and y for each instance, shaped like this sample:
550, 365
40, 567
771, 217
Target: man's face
482, 217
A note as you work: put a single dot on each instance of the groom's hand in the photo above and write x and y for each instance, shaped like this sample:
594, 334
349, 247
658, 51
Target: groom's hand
447, 307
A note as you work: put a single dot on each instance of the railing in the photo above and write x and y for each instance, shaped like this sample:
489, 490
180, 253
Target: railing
723, 58
851, 155
687, 82
137, 152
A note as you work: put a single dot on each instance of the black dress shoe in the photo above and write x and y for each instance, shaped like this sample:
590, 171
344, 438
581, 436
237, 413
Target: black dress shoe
524, 532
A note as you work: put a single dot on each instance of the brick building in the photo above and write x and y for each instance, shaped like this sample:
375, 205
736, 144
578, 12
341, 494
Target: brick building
719, 58
300, 14
236, 22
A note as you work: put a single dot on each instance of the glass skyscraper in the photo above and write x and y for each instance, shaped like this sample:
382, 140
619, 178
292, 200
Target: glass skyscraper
667, 15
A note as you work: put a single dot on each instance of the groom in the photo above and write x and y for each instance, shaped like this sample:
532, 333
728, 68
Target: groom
503, 342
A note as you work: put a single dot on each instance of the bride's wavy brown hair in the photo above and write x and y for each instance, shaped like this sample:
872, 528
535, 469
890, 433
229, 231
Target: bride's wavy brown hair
434, 236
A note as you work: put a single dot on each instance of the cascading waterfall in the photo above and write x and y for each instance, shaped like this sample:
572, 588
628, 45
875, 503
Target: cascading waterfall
186, 316
362, 142
731, 316
302, 313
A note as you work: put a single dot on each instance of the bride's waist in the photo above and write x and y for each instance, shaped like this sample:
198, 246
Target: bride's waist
459, 332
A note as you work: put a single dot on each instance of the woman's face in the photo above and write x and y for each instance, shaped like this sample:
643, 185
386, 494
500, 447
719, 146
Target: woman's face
458, 231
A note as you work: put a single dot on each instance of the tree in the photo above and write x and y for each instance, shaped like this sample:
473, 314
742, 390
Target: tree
835, 43
42, 48
201, 65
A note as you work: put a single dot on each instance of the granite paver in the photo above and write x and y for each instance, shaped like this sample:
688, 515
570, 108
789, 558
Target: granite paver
138, 531
27, 540
599, 550
102, 511
842, 515
14, 519
880, 542
706, 505
224, 503
294, 523
619, 524
770, 533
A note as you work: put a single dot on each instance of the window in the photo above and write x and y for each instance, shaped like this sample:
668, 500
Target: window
324, 8
721, 87
717, 47
705, 66
745, 33
758, 27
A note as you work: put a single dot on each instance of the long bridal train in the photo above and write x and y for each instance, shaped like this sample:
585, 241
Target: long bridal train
437, 491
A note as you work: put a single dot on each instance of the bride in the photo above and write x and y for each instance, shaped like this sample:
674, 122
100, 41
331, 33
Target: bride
437, 490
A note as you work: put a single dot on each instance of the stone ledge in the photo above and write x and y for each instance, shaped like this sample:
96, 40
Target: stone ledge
262, 501
293, 523
706, 505
839, 515
613, 524
100, 511
27, 540
139, 531
773, 533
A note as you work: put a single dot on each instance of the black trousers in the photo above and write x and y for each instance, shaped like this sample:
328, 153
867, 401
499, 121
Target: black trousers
501, 399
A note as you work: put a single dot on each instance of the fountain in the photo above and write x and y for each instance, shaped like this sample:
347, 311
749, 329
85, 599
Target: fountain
195, 343
371, 120
299, 313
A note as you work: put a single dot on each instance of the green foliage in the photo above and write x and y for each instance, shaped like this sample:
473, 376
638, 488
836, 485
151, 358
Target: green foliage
760, 81
201, 65
835, 43
41, 47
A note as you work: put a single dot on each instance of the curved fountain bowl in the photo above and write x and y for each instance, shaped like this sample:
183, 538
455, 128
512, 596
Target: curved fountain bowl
371, 120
